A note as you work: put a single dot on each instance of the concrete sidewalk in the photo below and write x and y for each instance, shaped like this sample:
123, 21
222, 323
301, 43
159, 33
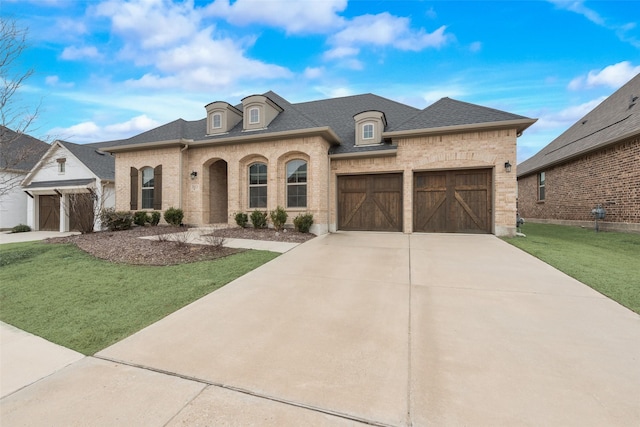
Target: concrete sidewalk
26, 359
31, 236
383, 329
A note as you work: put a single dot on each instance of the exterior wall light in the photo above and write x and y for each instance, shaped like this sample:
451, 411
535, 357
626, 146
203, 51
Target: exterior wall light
193, 174
507, 166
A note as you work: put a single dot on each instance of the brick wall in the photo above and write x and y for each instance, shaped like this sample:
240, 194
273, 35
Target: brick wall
198, 197
486, 149
610, 177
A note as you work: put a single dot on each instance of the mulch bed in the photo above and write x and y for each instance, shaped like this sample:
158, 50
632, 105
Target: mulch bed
126, 247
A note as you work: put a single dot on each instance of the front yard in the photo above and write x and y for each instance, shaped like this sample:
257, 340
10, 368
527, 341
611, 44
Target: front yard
608, 262
71, 298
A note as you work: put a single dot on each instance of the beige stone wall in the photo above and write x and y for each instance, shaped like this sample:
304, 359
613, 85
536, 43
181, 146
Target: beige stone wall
198, 193
169, 158
486, 149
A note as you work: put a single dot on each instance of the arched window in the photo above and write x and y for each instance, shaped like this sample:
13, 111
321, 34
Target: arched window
147, 188
258, 185
297, 184
367, 131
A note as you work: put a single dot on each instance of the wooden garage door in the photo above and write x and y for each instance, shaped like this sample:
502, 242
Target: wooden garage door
370, 202
49, 213
81, 216
457, 201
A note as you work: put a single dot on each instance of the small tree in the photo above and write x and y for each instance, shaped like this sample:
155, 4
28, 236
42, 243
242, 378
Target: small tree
81, 210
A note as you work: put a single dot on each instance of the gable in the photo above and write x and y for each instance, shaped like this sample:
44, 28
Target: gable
47, 168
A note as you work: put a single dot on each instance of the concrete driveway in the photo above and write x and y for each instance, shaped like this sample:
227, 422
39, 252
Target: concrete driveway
383, 329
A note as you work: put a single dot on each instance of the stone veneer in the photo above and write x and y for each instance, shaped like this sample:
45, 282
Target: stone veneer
482, 149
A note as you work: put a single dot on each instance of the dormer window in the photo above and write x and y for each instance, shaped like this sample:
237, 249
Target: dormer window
216, 121
254, 115
369, 126
259, 112
221, 117
367, 131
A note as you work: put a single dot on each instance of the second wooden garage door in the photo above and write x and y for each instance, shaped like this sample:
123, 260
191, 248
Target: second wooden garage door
370, 202
455, 201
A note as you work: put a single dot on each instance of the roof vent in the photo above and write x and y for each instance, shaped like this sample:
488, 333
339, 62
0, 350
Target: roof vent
99, 152
584, 122
632, 101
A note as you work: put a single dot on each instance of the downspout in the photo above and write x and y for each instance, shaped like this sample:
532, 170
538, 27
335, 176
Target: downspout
328, 192
186, 147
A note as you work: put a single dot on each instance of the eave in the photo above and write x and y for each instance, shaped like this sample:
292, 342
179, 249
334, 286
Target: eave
364, 154
519, 124
326, 132
147, 145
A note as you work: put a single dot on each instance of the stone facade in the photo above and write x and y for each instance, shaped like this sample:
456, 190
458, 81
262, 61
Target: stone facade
205, 201
465, 150
609, 177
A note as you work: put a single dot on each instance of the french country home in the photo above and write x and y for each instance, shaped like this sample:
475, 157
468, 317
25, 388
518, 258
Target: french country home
360, 162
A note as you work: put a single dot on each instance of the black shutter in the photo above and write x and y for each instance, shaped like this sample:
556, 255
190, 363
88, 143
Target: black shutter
157, 188
134, 189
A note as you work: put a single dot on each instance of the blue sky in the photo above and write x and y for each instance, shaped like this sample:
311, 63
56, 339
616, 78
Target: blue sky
111, 69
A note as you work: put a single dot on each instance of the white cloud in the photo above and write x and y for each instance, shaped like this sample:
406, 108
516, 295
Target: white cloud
91, 132
385, 29
612, 76
204, 63
579, 7
341, 52
313, 72
56, 82
565, 118
167, 38
73, 53
295, 17
475, 47
150, 23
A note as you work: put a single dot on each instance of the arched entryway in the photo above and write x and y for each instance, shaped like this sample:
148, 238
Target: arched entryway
218, 193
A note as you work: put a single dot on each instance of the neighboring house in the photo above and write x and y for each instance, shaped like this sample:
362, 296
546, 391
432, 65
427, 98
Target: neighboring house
595, 162
63, 173
18, 154
356, 163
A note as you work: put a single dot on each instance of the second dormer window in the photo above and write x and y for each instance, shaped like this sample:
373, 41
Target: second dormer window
367, 131
254, 115
216, 121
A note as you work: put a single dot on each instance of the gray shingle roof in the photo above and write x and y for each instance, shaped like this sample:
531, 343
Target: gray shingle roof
449, 112
100, 163
19, 151
616, 118
337, 114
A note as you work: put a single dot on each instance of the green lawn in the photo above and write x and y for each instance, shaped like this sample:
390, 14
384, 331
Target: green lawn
608, 262
68, 297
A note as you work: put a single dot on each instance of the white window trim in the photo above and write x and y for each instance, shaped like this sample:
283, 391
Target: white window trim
62, 166
250, 186
373, 131
213, 121
251, 110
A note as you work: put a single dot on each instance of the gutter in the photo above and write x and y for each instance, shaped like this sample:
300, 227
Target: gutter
147, 145
186, 147
519, 124
326, 131
364, 154
578, 154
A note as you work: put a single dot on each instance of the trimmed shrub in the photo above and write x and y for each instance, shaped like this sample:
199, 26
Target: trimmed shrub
141, 218
173, 216
259, 219
303, 222
155, 218
278, 218
116, 220
242, 219
21, 228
